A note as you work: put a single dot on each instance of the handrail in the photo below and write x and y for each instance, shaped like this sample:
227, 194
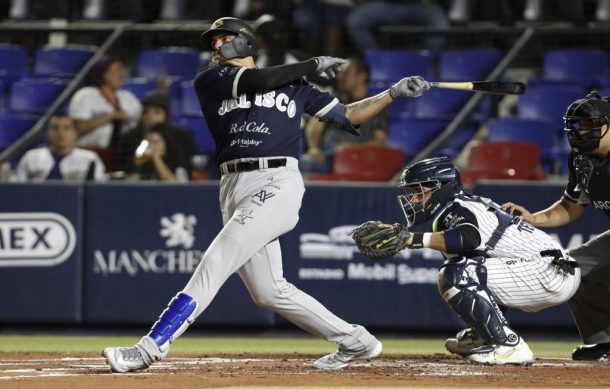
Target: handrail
476, 97
39, 126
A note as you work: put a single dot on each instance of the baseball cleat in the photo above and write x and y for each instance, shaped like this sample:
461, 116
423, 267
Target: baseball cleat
341, 358
503, 355
591, 352
464, 342
124, 359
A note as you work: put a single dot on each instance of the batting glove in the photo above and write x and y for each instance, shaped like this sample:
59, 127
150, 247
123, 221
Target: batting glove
414, 86
328, 67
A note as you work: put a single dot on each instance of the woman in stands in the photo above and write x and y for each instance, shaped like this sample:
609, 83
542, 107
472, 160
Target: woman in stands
103, 111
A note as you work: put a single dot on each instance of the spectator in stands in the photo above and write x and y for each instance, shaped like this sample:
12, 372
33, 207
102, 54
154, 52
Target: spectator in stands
61, 160
272, 34
156, 111
158, 158
323, 140
321, 25
103, 111
371, 14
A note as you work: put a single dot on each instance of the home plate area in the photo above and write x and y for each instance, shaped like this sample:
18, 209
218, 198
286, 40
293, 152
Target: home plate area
55, 371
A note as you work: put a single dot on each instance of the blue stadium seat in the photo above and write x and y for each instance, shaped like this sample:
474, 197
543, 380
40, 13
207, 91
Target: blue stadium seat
392, 65
543, 133
547, 103
580, 66
189, 103
457, 141
411, 135
13, 125
35, 94
445, 104
468, 64
199, 127
173, 61
139, 86
61, 62
13, 61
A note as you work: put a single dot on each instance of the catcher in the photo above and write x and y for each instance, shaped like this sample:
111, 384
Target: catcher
493, 261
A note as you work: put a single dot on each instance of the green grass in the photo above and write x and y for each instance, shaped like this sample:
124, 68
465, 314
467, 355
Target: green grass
214, 345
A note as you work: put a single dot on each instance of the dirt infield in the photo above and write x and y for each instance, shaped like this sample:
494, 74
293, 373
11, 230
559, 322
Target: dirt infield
182, 371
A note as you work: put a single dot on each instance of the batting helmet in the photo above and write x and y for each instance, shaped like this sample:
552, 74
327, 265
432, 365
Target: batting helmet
428, 186
584, 121
244, 44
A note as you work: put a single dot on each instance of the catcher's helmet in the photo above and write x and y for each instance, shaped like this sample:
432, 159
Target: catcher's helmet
428, 185
244, 44
584, 121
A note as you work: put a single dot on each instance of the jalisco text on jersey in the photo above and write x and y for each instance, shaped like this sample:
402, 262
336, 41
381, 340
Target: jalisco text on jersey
268, 100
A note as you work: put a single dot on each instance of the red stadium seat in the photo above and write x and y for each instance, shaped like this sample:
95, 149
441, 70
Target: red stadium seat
365, 163
503, 160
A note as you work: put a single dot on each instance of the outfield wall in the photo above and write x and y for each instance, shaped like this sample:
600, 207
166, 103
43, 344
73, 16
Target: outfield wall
116, 253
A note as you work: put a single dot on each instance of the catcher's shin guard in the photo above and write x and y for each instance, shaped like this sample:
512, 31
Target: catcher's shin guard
174, 320
458, 283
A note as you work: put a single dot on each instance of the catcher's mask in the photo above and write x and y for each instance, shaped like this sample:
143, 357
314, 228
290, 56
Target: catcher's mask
244, 44
586, 122
428, 185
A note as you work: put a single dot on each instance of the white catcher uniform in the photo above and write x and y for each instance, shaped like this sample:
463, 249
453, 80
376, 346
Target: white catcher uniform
518, 275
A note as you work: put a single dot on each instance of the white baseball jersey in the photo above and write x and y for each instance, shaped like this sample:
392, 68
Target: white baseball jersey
36, 165
88, 103
517, 274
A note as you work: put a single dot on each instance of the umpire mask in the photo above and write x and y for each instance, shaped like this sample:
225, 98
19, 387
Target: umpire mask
586, 122
428, 185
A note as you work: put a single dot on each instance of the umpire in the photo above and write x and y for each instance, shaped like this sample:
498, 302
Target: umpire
586, 123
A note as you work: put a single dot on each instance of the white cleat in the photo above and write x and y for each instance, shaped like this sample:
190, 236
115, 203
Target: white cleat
464, 342
341, 358
504, 355
124, 359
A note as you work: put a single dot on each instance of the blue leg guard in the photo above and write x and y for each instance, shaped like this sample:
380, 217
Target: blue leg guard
459, 284
174, 320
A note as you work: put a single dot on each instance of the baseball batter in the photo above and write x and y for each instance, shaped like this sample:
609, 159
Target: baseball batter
586, 122
493, 260
254, 117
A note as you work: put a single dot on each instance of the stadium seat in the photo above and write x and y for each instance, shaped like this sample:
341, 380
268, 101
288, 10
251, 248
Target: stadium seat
189, 104
503, 160
468, 64
35, 94
580, 66
444, 104
199, 127
392, 65
456, 141
61, 62
364, 163
411, 135
547, 103
13, 125
139, 86
173, 61
13, 61
542, 133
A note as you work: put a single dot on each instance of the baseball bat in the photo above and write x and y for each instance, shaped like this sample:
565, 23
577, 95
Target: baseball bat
495, 87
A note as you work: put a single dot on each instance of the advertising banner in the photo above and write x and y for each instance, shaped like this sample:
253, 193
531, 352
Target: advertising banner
143, 244
40, 253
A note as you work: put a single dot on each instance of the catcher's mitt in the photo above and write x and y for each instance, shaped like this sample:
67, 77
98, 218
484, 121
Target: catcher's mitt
379, 242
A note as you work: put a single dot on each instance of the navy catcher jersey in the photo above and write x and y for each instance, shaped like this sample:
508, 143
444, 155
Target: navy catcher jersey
598, 189
260, 124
